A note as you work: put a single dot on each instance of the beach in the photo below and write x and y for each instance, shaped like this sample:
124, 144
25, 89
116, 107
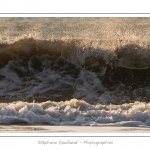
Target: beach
70, 129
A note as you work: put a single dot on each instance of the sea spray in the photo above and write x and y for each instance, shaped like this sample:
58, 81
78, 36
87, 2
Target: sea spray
82, 65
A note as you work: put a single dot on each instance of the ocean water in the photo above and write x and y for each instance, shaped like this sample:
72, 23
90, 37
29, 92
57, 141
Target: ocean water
75, 71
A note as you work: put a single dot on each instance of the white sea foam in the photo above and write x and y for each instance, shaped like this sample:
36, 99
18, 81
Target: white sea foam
75, 112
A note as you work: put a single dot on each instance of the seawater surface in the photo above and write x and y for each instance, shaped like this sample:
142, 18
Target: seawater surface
75, 71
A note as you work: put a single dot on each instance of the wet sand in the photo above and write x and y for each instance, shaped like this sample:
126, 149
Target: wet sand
70, 129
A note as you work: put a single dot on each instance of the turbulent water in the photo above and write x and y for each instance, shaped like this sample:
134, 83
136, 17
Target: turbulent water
75, 71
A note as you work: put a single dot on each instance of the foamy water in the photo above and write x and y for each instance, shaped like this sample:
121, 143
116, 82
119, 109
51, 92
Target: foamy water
75, 112
93, 70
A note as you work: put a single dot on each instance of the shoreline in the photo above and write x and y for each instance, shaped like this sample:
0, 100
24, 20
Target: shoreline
70, 129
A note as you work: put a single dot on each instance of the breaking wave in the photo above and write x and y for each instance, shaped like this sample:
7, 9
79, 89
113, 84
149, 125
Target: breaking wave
92, 71
60, 70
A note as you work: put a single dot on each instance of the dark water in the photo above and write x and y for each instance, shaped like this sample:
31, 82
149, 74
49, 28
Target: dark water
37, 69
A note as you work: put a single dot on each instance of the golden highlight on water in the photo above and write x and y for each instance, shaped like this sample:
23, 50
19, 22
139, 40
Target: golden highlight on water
75, 71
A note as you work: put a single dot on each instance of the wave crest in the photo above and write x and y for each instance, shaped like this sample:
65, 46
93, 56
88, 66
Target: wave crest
62, 69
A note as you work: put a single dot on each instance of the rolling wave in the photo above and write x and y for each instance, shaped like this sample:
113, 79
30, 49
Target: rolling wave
64, 69
93, 71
